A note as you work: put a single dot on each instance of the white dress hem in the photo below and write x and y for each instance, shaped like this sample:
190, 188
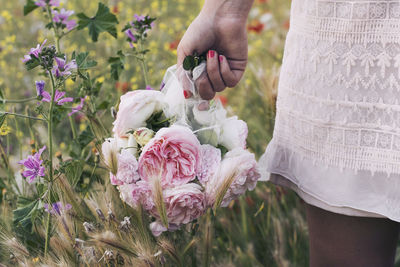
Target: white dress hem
326, 187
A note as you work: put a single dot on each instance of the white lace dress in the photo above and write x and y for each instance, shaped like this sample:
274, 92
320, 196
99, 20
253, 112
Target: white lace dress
336, 140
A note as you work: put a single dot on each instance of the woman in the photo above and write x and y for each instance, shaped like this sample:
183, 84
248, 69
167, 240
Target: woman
336, 140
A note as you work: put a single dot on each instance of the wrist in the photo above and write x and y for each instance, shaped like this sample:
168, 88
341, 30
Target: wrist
227, 9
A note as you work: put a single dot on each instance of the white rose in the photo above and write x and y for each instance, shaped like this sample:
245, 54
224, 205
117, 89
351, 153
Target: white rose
233, 133
135, 109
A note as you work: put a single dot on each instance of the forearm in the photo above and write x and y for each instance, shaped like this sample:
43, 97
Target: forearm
238, 9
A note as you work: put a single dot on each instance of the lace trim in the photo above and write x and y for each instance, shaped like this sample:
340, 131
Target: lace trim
344, 21
356, 149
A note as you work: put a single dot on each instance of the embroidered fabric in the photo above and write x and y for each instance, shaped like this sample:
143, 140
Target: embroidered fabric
339, 93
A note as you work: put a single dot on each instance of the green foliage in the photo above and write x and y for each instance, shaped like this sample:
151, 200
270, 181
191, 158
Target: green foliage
117, 65
73, 170
85, 137
29, 7
2, 118
26, 213
157, 121
192, 61
103, 21
82, 61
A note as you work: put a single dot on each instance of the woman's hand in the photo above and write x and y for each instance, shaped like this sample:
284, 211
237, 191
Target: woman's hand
222, 34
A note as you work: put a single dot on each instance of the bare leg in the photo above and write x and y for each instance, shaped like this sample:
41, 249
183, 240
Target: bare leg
338, 240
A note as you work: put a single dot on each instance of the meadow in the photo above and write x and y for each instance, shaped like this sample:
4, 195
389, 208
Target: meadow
266, 227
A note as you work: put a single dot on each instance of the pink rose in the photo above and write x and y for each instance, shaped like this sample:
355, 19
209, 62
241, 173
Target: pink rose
136, 194
173, 154
247, 175
157, 228
183, 204
127, 169
135, 108
210, 162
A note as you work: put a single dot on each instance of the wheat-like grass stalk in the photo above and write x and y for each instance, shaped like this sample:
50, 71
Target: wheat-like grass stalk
223, 188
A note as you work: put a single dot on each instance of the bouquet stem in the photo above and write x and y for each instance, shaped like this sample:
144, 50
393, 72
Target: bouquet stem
207, 240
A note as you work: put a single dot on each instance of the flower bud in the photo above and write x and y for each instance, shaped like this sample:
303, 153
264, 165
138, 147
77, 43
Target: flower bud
143, 135
110, 151
59, 155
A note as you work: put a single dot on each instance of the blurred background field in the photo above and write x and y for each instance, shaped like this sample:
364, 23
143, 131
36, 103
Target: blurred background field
267, 227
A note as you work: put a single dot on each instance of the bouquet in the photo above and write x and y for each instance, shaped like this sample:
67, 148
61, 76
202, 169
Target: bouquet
175, 158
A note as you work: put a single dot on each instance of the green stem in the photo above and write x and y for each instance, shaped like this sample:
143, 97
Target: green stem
48, 226
58, 37
7, 101
21, 116
208, 239
18, 139
54, 28
243, 216
50, 136
10, 172
73, 128
143, 64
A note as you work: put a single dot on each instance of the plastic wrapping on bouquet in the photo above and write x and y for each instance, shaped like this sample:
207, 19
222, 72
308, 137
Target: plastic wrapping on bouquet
205, 123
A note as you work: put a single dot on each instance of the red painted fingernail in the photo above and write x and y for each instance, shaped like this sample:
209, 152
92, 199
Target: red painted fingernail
221, 58
187, 94
211, 53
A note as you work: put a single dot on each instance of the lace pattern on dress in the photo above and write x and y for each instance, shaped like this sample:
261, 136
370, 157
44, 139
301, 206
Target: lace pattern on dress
339, 88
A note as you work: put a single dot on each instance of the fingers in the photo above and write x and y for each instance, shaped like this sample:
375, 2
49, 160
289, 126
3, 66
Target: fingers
213, 71
229, 76
221, 73
204, 86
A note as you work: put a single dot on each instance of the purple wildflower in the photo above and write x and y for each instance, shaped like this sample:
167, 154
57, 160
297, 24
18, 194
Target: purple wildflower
33, 165
57, 208
40, 87
139, 17
78, 107
58, 97
63, 68
148, 87
131, 37
42, 3
62, 17
34, 51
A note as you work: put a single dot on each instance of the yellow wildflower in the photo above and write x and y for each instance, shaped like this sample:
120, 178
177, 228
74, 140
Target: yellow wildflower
5, 129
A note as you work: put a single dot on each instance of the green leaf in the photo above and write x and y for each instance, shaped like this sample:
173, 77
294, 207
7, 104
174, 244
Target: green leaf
25, 213
103, 21
188, 63
29, 7
117, 65
31, 64
85, 137
83, 62
2, 118
103, 105
73, 171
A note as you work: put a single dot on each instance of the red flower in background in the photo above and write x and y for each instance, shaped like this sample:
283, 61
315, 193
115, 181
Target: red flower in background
262, 1
223, 99
174, 45
115, 9
123, 86
256, 27
286, 24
